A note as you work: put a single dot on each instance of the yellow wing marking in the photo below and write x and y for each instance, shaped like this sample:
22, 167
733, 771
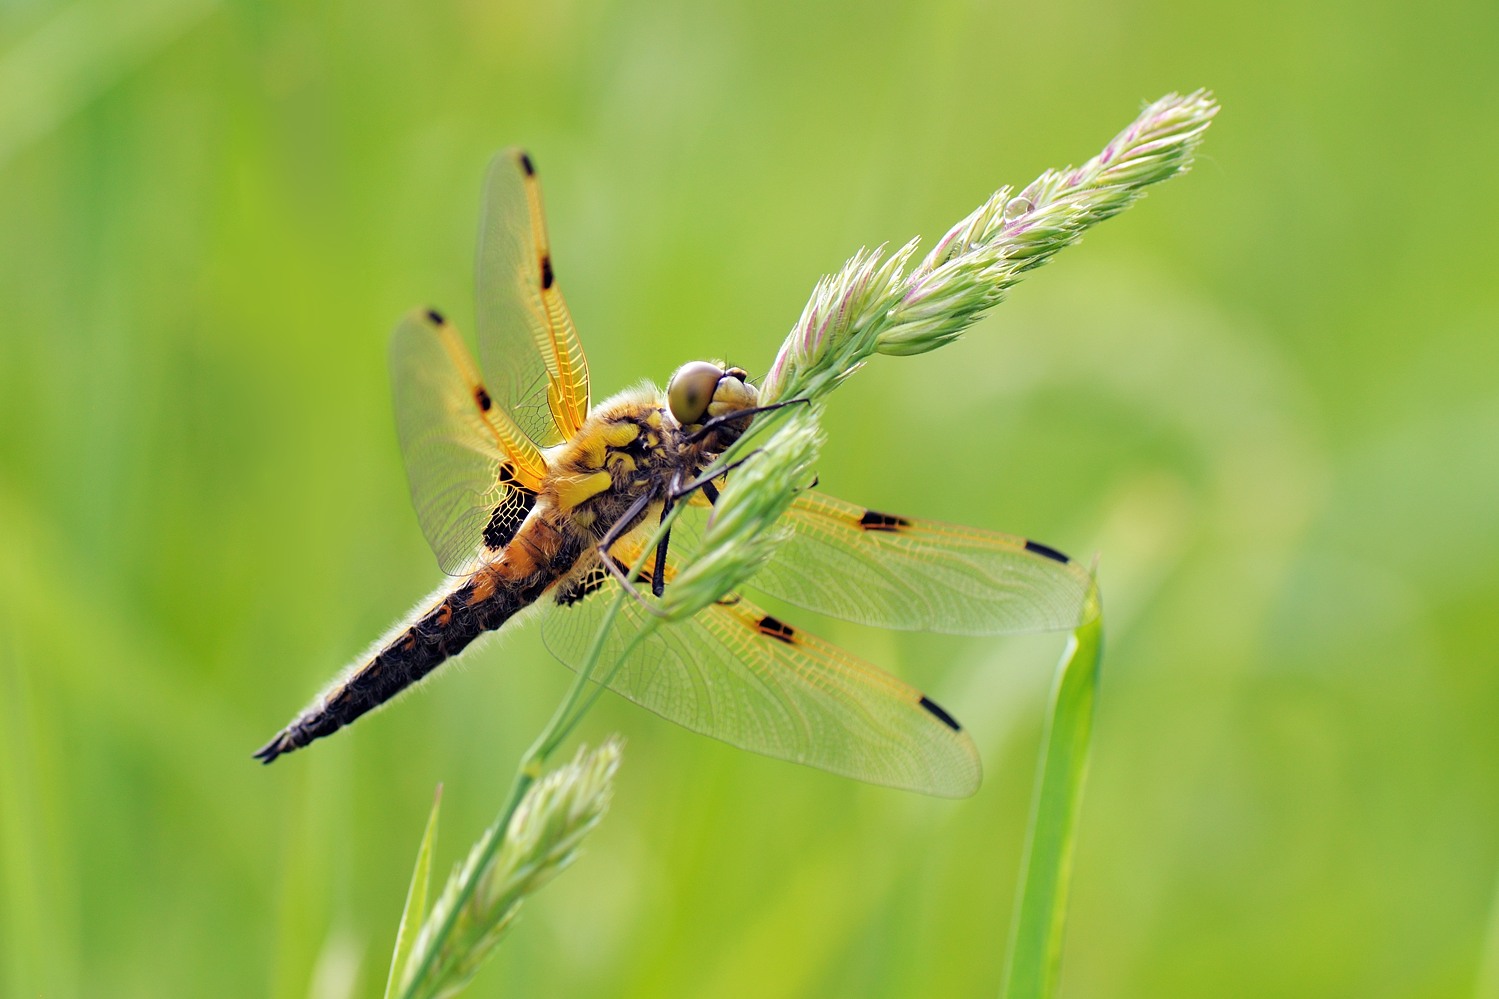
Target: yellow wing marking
528, 465
557, 338
860, 565
473, 473
744, 625
529, 349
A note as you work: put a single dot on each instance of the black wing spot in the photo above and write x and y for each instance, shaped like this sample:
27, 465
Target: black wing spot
500, 530
872, 521
1046, 550
436, 317
941, 716
510, 513
582, 587
527, 165
482, 398
772, 628
546, 272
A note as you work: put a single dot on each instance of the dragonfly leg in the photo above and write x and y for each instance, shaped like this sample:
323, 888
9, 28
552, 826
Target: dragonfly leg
706, 482
658, 573
626, 521
617, 531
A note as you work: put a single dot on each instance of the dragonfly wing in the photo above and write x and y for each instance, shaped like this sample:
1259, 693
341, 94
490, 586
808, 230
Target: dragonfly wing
735, 673
527, 342
473, 474
855, 564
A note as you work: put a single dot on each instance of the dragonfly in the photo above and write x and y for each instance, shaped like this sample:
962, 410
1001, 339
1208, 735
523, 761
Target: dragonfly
536, 501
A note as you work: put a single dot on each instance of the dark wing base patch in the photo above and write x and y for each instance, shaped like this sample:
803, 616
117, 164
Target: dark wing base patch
510, 512
582, 587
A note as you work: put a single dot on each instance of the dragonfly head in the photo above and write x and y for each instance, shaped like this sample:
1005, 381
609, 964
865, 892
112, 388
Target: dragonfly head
702, 390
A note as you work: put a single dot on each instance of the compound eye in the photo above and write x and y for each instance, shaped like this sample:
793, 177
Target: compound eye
691, 390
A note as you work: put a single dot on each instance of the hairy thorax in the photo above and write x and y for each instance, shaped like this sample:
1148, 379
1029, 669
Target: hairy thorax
628, 447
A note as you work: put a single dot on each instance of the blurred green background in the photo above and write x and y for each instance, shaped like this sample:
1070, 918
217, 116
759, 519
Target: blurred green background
1265, 395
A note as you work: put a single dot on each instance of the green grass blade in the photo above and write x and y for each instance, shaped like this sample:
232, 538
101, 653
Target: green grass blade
416, 901
1041, 902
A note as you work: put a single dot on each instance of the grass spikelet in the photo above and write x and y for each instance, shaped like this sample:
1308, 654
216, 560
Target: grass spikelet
874, 305
481, 898
741, 533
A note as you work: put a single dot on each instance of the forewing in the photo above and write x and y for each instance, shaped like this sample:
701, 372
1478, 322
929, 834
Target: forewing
531, 354
735, 673
473, 475
859, 565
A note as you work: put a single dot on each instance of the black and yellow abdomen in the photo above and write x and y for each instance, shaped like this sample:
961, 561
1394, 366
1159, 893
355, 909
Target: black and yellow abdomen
595, 483
482, 602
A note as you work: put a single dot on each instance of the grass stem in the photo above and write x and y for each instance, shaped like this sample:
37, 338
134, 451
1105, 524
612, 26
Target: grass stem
1035, 952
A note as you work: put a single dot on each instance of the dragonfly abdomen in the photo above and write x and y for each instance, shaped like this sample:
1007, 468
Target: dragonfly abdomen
483, 602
